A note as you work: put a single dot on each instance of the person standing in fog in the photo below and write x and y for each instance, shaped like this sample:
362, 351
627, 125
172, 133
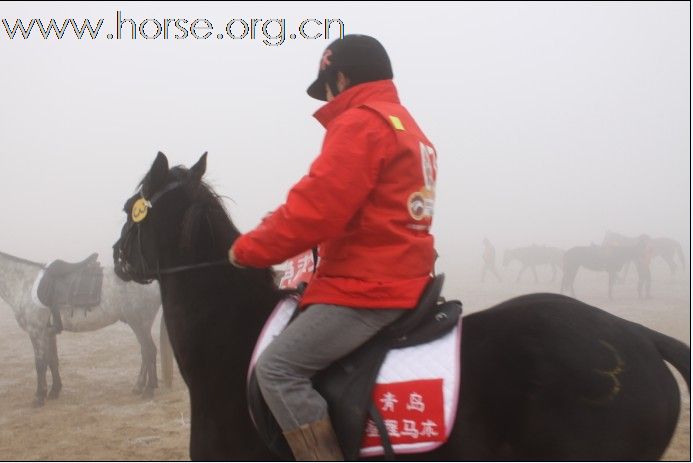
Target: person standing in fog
489, 257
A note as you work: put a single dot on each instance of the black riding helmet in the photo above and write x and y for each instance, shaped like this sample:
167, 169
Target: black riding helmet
360, 57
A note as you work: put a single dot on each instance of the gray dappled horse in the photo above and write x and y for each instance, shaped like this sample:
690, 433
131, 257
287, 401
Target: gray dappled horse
531, 256
133, 304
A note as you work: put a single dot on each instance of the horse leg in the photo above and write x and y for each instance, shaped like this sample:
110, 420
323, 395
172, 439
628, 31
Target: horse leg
39, 345
498, 277
147, 381
670, 261
52, 357
534, 271
152, 378
612, 279
142, 376
522, 270
644, 280
568, 279
624, 274
166, 354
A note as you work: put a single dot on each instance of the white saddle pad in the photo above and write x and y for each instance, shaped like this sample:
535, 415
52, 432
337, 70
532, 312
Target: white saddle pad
416, 391
34, 288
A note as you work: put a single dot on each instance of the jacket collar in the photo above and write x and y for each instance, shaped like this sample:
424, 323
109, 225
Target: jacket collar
379, 90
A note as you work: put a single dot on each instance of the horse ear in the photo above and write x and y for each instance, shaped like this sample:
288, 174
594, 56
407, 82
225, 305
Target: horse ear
157, 173
160, 163
198, 170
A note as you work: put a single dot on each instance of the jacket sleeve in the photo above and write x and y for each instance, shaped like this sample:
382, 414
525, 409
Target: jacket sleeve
323, 202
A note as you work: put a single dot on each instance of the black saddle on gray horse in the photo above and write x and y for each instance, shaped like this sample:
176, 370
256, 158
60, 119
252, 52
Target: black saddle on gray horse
71, 284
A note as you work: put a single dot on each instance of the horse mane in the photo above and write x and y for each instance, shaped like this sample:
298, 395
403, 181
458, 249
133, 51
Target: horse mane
21, 260
207, 212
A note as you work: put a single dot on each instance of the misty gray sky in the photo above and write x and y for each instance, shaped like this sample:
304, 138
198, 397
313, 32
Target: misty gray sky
553, 122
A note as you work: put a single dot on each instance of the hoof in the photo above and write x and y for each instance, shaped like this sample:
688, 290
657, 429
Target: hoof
54, 394
39, 402
148, 393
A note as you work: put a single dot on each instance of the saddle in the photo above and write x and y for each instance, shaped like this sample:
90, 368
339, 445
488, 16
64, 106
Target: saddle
71, 284
347, 385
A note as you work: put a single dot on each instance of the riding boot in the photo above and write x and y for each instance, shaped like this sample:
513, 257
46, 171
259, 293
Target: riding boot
57, 320
315, 441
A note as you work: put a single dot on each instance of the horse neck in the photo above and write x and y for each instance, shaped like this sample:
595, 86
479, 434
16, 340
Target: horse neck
16, 278
214, 318
241, 298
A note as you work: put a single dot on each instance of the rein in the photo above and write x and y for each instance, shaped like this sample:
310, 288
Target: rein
183, 268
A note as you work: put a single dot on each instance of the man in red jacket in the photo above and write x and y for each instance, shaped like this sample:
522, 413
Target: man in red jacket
367, 202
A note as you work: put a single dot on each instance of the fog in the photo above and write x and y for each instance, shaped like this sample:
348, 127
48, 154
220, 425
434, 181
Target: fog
553, 124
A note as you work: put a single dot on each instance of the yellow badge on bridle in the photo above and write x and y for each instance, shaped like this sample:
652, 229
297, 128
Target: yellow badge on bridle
139, 210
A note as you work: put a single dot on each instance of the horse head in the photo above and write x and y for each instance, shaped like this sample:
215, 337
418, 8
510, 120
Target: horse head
173, 219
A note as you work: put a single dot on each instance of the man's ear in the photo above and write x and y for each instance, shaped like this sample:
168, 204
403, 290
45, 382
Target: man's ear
199, 169
342, 81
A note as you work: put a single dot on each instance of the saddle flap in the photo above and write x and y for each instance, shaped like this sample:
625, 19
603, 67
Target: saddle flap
427, 303
60, 268
349, 384
76, 285
444, 319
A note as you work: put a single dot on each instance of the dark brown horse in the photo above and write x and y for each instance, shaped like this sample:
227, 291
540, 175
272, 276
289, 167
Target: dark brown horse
545, 377
609, 259
666, 248
532, 256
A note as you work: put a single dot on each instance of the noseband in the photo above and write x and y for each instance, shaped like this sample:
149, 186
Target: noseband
143, 206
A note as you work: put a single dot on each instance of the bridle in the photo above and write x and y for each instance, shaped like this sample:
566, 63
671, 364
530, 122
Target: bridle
132, 225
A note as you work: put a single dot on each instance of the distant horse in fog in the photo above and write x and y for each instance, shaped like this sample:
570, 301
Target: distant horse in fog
133, 304
531, 256
610, 259
666, 248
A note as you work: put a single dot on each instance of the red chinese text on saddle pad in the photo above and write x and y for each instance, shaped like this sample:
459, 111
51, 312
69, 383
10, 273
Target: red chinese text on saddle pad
412, 412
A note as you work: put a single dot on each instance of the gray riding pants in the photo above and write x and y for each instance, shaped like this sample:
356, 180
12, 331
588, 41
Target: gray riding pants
318, 337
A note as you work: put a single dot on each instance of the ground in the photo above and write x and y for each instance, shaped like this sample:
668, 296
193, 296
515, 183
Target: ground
97, 418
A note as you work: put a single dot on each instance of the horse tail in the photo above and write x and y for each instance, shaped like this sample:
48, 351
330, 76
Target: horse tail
673, 351
166, 354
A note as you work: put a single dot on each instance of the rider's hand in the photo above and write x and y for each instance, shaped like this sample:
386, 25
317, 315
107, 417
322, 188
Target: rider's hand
232, 259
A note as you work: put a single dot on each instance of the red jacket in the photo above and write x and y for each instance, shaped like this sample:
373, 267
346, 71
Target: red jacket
367, 201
